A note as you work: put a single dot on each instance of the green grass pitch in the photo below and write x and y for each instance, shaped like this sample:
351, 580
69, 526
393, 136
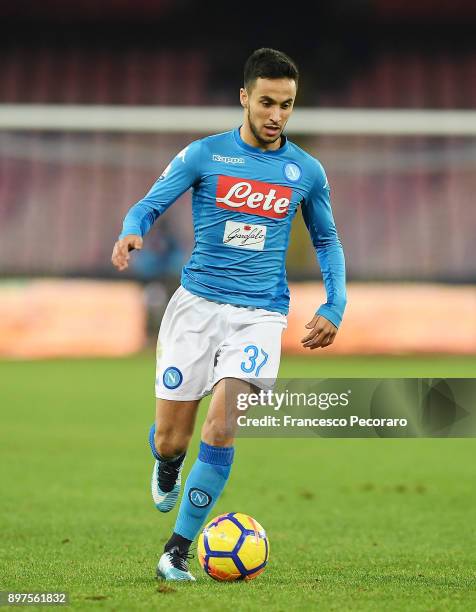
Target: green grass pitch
364, 524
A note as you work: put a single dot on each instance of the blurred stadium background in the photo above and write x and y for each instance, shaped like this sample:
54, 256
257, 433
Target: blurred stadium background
96, 98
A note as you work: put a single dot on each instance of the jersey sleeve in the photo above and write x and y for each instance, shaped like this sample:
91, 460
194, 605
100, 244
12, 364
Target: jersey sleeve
181, 174
317, 214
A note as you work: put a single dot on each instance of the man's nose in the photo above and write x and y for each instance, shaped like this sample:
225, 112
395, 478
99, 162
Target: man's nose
275, 115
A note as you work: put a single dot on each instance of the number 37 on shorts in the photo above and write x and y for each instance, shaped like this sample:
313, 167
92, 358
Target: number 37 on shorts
257, 358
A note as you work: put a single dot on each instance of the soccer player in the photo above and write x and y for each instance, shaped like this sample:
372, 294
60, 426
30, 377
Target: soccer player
222, 327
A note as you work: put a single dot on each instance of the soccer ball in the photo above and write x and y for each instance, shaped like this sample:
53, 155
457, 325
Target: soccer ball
233, 546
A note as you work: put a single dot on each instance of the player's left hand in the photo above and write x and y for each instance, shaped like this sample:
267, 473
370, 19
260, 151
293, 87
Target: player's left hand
322, 333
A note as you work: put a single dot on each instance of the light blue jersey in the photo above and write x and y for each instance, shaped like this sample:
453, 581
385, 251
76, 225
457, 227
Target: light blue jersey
243, 203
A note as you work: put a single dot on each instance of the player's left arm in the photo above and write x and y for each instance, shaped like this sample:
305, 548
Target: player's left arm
317, 214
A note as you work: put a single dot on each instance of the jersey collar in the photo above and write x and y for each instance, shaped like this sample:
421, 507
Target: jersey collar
241, 143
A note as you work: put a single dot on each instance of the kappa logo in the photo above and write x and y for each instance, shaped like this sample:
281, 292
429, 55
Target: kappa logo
199, 498
253, 197
172, 378
228, 160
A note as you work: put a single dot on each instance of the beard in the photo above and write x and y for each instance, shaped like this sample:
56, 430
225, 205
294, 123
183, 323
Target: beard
262, 140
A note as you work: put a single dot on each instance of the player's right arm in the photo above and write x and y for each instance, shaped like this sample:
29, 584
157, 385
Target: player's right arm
182, 172
120, 253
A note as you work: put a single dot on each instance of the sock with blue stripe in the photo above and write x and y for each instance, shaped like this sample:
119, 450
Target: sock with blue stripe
204, 485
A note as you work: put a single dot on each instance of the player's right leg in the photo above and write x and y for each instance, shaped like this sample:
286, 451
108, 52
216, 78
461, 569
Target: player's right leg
189, 336
184, 358
169, 438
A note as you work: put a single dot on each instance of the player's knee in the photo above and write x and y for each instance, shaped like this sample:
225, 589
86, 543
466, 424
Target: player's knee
218, 431
169, 443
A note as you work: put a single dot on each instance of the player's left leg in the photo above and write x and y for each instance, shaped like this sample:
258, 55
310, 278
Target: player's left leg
247, 358
207, 477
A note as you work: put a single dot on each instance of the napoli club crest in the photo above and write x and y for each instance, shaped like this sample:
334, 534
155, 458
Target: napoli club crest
199, 498
292, 172
172, 378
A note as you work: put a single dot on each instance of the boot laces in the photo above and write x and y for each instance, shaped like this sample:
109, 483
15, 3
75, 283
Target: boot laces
168, 474
179, 558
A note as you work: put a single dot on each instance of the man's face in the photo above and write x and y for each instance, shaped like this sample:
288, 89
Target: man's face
268, 103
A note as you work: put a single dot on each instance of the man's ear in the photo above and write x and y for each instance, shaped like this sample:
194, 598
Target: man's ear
244, 97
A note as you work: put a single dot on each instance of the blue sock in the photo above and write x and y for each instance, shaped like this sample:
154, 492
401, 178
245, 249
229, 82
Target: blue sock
204, 485
152, 443
154, 450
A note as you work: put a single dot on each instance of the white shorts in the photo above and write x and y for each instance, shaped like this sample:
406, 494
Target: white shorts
200, 342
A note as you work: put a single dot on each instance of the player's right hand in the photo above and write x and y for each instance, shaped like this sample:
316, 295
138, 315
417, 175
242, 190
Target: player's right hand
120, 253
